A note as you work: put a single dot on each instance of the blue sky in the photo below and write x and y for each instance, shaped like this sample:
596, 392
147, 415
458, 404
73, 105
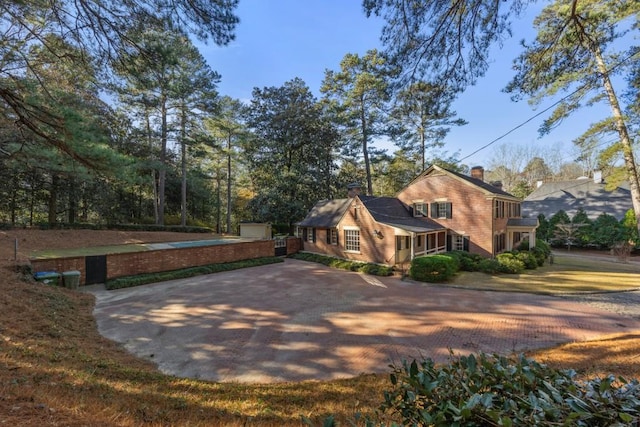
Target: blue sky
278, 40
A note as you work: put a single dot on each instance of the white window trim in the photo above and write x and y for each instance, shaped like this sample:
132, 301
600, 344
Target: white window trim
351, 228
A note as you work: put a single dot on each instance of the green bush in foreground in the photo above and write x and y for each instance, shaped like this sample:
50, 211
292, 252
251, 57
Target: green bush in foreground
433, 268
368, 268
143, 279
491, 390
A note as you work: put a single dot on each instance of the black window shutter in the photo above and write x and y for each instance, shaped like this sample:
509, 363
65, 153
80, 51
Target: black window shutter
313, 235
434, 209
449, 213
448, 243
328, 236
465, 243
304, 234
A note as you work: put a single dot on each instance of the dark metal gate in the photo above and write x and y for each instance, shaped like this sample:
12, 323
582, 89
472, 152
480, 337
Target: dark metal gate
96, 269
281, 246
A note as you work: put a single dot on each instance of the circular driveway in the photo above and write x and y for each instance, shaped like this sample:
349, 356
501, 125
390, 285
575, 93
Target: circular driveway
296, 321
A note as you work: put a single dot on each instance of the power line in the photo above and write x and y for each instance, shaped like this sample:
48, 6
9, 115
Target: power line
619, 63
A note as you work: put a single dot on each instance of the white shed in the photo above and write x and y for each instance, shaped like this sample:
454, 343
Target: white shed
255, 230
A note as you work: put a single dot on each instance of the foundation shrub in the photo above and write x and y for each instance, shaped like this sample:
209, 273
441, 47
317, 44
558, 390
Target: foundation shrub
509, 263
362, 267
433, 268
467, 261
490, 266
541, 250
529, 259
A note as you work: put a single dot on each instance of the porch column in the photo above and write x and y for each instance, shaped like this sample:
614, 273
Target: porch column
532, 239
509, 240
413, 243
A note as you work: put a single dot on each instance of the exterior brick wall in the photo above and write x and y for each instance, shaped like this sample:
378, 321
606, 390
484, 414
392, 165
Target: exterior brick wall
472, 209
126, 264
372, 248
294, 244
61, 265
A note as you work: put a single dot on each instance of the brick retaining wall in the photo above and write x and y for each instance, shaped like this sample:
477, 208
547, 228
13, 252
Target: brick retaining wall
132, 263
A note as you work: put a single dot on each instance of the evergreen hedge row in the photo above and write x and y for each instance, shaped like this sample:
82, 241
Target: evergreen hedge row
143, 279
368, 268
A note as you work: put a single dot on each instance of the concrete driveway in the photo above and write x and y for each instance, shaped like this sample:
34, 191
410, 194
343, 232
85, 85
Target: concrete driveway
296, 321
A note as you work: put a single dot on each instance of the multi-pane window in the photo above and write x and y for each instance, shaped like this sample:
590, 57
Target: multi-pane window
309, 234
419, 209
457, 242
504, 209
333, 236
441, 210
352, 240
498, 206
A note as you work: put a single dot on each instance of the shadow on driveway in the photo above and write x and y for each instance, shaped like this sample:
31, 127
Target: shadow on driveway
298, 321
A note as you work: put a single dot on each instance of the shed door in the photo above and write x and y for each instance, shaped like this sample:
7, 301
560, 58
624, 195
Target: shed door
96, 269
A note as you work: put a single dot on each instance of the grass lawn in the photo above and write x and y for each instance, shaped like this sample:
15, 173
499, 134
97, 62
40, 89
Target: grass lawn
567, 274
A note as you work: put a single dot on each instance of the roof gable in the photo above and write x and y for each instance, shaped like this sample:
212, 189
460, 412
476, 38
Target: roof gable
326, 213
483, 186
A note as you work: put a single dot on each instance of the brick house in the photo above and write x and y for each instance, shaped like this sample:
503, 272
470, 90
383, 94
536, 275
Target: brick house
439, 211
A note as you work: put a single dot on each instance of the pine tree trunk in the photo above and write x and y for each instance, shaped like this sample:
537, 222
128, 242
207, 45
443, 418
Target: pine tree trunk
365, 151
183, 144
163, 162
623, 133
53, 199
229, 183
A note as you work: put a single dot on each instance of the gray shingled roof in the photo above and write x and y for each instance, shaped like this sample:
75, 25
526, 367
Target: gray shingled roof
391, 211
569, 196
326, 213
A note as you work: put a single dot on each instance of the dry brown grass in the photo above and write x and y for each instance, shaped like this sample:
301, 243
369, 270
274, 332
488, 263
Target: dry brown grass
568, 273
55, 369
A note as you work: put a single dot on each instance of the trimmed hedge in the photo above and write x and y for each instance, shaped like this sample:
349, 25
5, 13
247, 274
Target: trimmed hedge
433, 268
368, 268
143, 279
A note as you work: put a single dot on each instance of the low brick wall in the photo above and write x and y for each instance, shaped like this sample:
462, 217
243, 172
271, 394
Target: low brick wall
60, 265
129, 264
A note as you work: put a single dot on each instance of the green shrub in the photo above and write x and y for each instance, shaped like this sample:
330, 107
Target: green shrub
467, 260
143, 279
432, 268
455, 257
542, 250
343, 264
490, 266
529, 259
509, 263
492, 390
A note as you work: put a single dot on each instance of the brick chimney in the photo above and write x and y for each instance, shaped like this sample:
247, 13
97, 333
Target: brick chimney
353, 190
477, 172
